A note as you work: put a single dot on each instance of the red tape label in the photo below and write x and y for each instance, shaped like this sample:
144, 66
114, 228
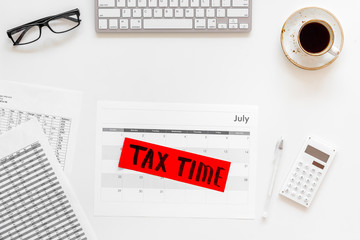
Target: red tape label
174, 164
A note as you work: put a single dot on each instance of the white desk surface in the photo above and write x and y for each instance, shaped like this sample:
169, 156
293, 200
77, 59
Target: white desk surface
209, 68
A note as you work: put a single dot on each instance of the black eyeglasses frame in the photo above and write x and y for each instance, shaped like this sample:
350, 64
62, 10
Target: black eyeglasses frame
42, 22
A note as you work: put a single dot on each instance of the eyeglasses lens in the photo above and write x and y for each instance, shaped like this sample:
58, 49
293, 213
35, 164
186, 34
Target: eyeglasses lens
64, 23
26, 35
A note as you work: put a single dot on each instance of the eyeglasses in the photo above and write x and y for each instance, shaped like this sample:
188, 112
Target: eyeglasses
31, 32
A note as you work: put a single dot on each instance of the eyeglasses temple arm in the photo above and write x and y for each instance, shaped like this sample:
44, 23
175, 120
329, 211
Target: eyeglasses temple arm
22, 35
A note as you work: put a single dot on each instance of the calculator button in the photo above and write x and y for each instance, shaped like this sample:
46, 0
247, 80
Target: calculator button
297, 169
301, 177
306, 200
317, 179
308, 180
308, 195
306, 166
314, 184
293, 193
295, 188
311, 189
300, 164
304, 186
310, 175
299, 196
298, 183
292, 179
303, 172
289, 185
319, 173
302, 191
313, 170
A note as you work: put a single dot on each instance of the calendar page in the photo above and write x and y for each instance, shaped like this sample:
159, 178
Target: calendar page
219, 131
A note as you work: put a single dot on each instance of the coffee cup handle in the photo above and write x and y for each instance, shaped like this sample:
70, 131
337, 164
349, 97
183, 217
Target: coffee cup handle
334, 51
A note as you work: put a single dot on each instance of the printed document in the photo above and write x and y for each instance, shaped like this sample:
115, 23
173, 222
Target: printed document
218, 131
56, 110
36, 200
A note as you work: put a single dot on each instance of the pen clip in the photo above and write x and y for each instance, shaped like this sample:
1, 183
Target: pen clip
279, 147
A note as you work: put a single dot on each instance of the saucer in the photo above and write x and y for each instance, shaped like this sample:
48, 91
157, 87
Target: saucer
290, 32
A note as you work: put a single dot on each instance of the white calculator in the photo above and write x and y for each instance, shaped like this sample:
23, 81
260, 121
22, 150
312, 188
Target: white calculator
308, 171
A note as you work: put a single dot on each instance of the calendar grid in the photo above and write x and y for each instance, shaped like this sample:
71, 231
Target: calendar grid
127, 186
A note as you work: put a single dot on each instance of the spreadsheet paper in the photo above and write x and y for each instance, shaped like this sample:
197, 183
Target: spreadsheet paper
36, 200
56, 110
219, 131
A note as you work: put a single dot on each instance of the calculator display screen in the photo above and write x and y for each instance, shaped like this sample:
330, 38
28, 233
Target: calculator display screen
316, 153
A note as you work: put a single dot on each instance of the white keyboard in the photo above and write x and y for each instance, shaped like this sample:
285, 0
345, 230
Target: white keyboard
173, 15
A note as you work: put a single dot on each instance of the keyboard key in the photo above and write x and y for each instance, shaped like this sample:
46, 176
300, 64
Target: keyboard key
168, 23
200, 24
200, 12
121, 3
106, 3
179, 12
168, 13
244, 26
109, 12
205, 3
215, 3
103, 23
174, 3
142, 3
184, 3
158, 13
152, 3
240, 3
189, 12
226, 3
222, 26
163, 3
233, 20
211, 23
135, 24
124, 23
220, 12
194, 3
136, 13
147, 13
238, 12
210, 12
131, 3
126, 13
113, 24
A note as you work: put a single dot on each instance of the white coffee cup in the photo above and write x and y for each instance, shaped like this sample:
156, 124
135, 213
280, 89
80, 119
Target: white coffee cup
316, 38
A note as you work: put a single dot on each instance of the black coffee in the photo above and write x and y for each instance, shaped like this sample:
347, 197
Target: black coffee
314, 37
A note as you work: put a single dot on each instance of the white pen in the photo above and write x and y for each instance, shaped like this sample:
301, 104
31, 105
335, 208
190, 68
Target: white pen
277, 155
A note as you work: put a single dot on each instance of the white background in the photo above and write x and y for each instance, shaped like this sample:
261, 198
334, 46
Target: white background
209, 68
